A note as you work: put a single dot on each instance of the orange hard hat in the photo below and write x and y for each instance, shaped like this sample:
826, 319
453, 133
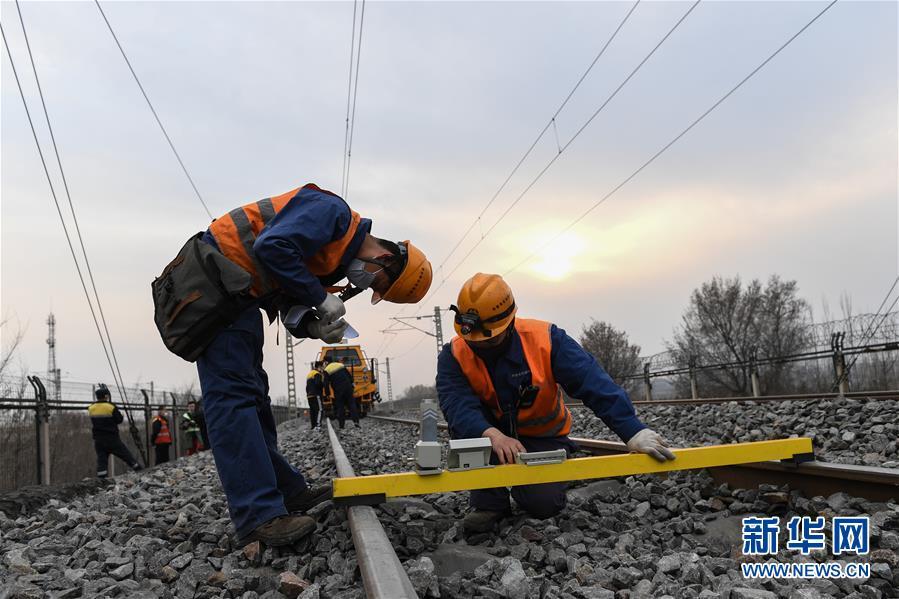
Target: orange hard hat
485, 307
414, 280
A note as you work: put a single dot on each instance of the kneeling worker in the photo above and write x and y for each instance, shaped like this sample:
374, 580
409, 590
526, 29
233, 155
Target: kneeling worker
502, 378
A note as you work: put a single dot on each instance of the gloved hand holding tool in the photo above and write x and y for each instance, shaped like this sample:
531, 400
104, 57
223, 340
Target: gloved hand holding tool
651, 443
331, 309
303, 321
329, 332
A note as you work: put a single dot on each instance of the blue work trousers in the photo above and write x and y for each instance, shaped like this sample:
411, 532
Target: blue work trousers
255, 476
540, 501
106, 445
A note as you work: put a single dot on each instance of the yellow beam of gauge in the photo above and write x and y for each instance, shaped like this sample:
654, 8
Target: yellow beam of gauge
376, 488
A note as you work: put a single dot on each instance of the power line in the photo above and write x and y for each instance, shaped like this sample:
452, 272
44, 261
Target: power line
673, 141
349, 149
540, 135
59, 212
153, 110
565, 147
871, 329
349, 91
117, 374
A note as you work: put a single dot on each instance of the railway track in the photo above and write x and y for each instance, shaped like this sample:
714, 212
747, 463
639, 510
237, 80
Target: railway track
870, 395
812, 478
384, 576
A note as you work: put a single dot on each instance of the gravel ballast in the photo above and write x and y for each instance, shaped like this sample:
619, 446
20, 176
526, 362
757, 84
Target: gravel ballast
166, 533
844, 431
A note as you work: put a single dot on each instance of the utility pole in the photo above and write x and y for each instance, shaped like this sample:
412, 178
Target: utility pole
435, 317
53, 373
438, 329
389, 381
291, 378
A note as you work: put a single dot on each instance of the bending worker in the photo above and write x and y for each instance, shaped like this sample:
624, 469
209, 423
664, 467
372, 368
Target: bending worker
340, 381
293, 245
105, 421
502, 378
314, 392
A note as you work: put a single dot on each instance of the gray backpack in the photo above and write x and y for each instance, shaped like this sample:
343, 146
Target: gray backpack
198, 294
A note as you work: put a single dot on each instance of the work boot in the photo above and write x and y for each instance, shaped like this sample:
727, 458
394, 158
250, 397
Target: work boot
282, 530
482, 520
356, 422
307, 498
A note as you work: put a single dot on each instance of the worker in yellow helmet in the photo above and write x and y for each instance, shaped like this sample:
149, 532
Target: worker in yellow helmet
314, 390
502, 378
279, 254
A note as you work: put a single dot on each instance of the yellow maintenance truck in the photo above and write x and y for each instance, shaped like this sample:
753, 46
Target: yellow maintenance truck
365, 377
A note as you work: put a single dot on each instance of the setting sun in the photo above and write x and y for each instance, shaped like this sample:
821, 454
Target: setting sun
557, 260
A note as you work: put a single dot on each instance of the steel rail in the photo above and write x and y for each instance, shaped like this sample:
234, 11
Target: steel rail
812, 478
873, 395
382, 573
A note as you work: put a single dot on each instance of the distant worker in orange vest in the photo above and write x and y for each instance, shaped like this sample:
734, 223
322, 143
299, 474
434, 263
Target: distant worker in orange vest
295, 246
502, 378
161, 436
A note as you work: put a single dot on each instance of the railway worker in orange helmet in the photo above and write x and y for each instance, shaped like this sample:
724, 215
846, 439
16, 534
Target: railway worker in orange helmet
295, 246
502, 378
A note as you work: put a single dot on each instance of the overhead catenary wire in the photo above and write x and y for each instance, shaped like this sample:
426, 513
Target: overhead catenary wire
59, 212
550, 123
870, 330
117, 373
571, 140
673, 141
349, 93
165, 133
352, 123
524, 157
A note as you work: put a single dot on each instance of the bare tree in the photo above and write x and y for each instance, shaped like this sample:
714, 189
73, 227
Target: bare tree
11, 385
613, 350
11, 343
728, 322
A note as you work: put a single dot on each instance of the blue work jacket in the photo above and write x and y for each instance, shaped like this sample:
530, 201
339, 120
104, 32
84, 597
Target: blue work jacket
308, 222
577, 371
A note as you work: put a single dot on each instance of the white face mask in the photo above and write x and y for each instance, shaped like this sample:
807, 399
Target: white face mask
358, 276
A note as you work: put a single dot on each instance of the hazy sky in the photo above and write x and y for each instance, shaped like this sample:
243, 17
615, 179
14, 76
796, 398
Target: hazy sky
795, 174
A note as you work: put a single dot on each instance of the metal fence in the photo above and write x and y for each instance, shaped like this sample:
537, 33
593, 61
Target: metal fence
50, 442
839, 368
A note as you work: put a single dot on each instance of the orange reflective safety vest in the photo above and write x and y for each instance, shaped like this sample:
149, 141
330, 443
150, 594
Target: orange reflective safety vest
164, 436
548, 416
236, 232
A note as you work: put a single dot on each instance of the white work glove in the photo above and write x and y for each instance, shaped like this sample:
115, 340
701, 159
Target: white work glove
329, 332
331, 309
651, 443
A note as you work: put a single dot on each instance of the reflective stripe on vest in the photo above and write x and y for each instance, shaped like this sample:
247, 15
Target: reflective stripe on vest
548, 416
333, 367
164, 435
236, 232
